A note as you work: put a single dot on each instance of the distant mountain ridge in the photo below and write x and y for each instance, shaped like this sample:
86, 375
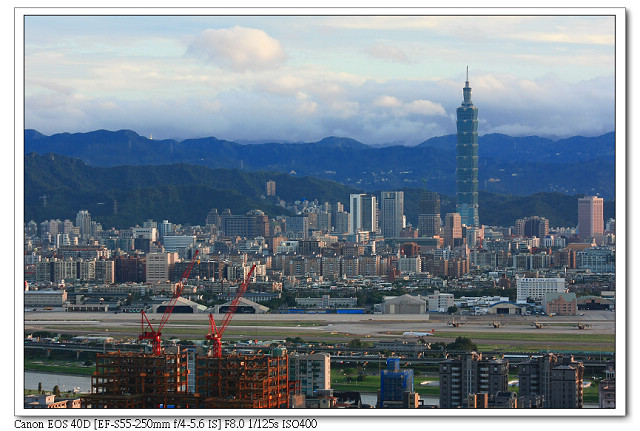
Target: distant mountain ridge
185, 193
519, 166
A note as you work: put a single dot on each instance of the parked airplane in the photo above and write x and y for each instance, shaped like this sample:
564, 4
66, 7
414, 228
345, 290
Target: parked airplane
418, 334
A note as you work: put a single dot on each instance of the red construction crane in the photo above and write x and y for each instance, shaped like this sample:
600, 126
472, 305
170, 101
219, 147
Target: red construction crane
215, 333
154, 335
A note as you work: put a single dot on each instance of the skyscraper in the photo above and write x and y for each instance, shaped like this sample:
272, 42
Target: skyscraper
467, 159
83, 222
429, 219
452, 229
590, 217
392, 209
363, 213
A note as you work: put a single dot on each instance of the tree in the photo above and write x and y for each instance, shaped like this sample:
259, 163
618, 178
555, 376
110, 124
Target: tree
39, 387
462, 343
355, 343
56, 390
452, 309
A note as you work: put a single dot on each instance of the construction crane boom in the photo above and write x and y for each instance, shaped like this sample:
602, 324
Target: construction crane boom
153, 334
215, 331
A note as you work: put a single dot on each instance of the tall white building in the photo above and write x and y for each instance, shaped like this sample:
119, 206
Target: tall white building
83, 222
536, 288
363, 213
392, 213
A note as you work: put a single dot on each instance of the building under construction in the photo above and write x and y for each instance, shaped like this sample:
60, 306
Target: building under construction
182, 380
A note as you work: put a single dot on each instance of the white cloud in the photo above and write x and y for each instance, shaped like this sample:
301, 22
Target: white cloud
389, 53
387, 102
239, 49
425, 107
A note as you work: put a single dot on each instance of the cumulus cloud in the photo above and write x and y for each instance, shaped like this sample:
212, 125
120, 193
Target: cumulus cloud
425, 107
415, 107
387, 102
239, 49
389, 53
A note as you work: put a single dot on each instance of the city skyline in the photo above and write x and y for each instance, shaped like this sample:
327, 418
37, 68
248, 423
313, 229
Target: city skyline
377, 79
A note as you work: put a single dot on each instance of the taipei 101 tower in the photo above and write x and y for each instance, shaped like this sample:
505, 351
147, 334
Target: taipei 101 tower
467, 159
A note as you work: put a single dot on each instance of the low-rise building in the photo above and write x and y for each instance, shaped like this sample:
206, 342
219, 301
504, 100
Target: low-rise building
45, 298
562, 304
405, 304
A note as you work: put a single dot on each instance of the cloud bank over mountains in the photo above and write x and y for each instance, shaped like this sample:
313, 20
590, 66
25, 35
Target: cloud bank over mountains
292, 79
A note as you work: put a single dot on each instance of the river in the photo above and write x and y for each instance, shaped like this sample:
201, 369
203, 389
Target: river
70, 382
66, 382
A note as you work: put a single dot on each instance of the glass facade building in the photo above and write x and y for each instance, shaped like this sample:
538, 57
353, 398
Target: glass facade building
467, 159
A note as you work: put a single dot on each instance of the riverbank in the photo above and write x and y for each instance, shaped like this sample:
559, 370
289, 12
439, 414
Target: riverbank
59, 367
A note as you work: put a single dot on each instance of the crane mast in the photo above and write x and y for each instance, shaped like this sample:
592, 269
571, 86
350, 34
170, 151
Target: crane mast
215, 332
148, 332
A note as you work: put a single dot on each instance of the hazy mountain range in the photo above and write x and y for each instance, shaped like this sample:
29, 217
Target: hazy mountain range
185, 193
517, 166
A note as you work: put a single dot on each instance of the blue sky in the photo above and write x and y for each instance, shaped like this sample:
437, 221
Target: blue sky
378, 79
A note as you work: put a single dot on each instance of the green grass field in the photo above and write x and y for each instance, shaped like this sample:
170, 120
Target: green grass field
59, 367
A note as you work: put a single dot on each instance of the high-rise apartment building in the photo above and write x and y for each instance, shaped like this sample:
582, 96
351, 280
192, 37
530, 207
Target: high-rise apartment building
270, 188
83, 222
467, 159
468, 374
392, 213
590, 217
312, 371
556, 379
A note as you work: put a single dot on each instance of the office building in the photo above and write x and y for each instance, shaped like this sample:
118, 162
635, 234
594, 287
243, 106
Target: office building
159, 268
452, 229
467, 159
173, 242
590, 217
392, 213
532, 226
429, 220
536, 288
363, 213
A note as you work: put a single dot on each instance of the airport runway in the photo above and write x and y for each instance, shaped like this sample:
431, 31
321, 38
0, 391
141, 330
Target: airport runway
376, 326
